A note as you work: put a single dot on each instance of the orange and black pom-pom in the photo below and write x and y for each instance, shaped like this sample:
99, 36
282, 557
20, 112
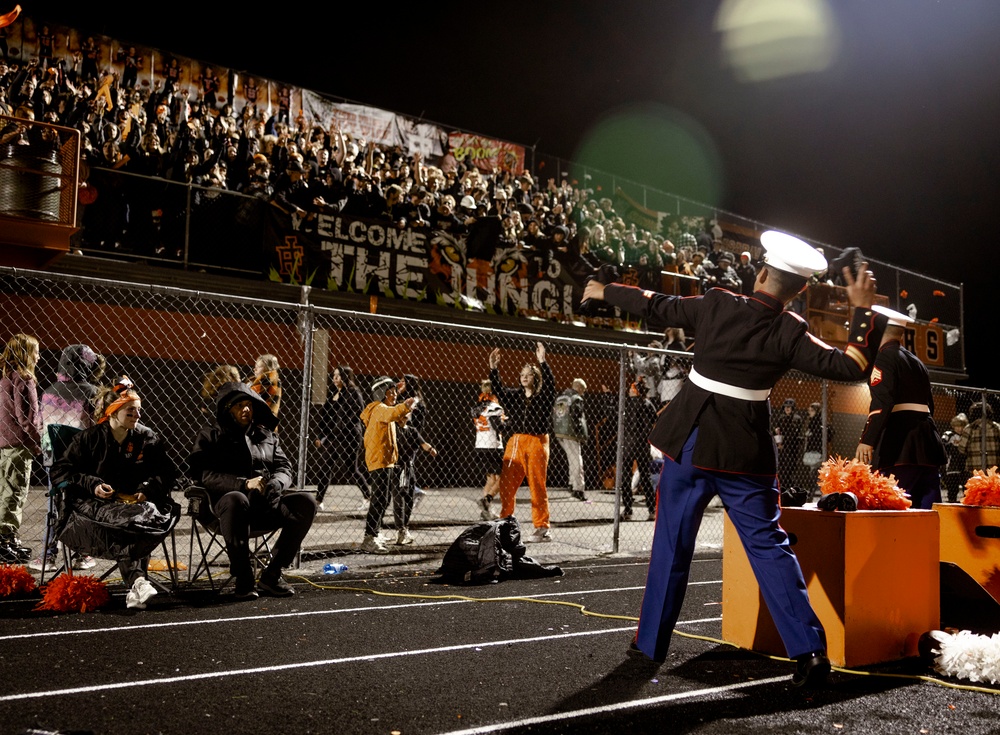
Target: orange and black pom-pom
74, 593
15, 580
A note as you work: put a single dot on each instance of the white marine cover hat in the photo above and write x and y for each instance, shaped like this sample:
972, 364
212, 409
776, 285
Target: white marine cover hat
790, 254
896, 318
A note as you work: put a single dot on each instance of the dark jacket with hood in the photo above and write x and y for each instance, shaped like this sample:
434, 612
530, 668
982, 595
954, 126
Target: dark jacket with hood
69, 401
108, 528
225, 456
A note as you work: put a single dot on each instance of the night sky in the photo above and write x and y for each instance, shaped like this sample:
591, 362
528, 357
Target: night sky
890, 143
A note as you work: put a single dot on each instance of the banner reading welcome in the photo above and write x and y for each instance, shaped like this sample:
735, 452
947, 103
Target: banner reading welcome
375, 257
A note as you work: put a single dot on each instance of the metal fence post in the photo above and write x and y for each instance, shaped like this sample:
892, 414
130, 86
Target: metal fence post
985, 430
824, 420
306, 325
620, 450
187, 229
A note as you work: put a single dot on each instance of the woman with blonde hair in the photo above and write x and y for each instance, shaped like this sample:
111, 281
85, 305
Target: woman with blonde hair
20, 439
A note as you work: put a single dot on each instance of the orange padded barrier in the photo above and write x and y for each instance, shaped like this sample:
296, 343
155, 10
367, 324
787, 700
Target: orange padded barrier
873, 580
970, 539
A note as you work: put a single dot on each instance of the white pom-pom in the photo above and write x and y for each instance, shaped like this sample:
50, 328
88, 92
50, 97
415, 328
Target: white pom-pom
965, 655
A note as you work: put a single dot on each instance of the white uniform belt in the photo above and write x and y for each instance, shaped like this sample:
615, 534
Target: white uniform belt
921, 407
732, 391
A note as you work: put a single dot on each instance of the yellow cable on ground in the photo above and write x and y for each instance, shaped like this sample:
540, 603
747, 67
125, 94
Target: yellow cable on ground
584, 611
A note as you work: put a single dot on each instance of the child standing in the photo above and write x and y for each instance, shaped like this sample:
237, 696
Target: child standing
410, 440
487, 417
20, 439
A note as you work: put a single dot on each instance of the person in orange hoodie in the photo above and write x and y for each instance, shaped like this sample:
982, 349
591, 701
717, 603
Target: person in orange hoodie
382, 456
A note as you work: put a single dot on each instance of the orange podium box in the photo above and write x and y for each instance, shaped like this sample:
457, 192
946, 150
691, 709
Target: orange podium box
970, 539
873, 579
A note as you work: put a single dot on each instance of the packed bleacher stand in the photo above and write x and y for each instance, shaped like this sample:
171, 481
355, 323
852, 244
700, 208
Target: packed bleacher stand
306, 167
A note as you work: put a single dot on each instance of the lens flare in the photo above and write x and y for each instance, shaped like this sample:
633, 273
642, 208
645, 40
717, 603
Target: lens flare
770, 39
658, 146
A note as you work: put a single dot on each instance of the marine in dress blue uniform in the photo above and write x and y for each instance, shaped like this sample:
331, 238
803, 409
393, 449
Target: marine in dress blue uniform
899, 437
716, 439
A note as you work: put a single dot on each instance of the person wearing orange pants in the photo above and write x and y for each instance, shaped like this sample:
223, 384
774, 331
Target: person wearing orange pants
526, 455
528, 410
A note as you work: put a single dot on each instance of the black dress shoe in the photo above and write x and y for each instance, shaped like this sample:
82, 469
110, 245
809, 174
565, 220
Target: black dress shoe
245, 588
811, 670
633, 649
274, 586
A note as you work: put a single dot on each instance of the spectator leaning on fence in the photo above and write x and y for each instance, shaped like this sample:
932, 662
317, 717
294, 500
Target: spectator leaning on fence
954, 477
640, 415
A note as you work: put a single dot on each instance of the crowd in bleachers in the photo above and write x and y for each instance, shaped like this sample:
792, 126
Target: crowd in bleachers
308, 167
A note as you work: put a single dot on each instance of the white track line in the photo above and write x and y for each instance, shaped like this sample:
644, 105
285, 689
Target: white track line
103, 688
619, 707
302, 614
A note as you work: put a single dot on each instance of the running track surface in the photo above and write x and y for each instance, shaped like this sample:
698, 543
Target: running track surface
336, 661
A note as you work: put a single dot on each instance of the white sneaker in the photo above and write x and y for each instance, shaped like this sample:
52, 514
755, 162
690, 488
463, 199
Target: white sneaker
540, 534
487, 513
320, 507
418, 497
373, 545
140, 593
36, 564
404, 537
81, 561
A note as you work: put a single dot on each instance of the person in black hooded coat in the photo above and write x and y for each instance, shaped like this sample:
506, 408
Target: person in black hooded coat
240, 463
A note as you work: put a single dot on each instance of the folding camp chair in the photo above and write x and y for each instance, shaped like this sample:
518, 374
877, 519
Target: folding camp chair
61, 436
213, 546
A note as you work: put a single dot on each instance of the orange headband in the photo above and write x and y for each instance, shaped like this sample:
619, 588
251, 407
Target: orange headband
122, 387
115, 406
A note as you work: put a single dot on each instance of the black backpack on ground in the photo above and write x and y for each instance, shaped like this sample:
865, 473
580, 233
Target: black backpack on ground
489, 552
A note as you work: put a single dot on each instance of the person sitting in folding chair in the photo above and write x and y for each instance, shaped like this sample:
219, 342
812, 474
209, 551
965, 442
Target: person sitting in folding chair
241, 465
115, 480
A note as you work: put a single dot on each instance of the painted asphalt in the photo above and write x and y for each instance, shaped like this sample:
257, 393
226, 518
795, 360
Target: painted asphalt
351, 661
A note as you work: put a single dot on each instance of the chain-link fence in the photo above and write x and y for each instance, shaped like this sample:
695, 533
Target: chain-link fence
168, 339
